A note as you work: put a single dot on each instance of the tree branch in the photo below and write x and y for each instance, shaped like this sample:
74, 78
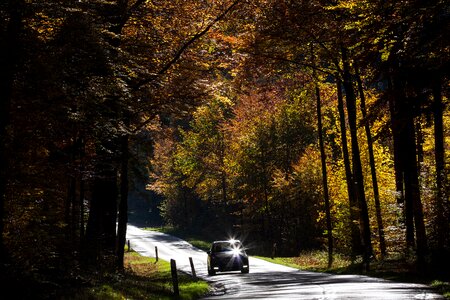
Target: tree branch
184, 47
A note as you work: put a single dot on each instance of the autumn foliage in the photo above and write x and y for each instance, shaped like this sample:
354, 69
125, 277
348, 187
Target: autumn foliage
305, 124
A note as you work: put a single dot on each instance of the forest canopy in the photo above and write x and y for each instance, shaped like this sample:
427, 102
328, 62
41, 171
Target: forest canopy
305, 124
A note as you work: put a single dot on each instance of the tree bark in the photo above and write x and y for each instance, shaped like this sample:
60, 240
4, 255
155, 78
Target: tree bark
412, 191
373, 172
398, 134
324, 179
123, 204
356, 159
353, 203
442, 203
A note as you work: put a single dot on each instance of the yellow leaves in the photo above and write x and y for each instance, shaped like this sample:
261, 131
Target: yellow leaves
350, 5
46, 26
385, 53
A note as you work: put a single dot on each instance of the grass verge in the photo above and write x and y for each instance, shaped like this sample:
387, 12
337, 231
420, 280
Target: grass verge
142, 279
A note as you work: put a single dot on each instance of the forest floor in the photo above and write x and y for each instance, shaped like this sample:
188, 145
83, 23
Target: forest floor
143, 279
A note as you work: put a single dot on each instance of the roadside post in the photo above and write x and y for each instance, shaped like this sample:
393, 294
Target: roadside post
129, 246
173, 269
192, 268
156, 253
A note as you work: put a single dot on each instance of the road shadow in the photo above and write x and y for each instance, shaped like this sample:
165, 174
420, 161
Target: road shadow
310, 285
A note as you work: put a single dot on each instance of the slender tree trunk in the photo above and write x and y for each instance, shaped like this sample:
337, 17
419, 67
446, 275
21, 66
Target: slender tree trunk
223, 174
81, 198
373, 172
265, 187
356, 160
419, 145
75, 212
353, 203
442, 202
69, 207
324, 179
123, 204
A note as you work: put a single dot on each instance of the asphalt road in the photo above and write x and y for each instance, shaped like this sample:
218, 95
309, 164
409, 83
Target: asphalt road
271, 281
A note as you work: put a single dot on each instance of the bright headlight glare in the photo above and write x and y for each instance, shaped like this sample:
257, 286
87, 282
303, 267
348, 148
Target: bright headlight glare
236, 251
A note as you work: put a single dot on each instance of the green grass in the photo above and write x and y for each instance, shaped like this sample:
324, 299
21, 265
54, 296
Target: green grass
143, 279
442, 287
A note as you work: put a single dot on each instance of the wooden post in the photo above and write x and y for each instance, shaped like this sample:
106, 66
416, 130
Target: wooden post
173, 269
156, 253
192, 268
129, 246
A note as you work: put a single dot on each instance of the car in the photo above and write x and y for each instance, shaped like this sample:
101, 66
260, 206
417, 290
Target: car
227, 255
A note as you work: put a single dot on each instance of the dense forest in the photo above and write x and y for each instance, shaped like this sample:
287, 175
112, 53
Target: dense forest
305, 124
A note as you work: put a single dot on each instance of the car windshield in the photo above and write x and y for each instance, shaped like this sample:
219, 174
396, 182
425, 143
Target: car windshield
226, 246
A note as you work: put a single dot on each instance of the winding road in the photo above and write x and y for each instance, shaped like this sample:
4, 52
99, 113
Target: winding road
271, 281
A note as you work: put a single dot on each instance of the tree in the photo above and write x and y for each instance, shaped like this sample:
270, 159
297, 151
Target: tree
373, 172
10, 53
324, 178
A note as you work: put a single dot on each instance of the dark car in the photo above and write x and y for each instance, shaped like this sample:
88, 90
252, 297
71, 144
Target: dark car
227, 256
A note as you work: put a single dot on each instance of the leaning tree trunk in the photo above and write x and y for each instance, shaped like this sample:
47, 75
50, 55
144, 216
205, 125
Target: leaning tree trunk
356, 160
324, 179
373, 172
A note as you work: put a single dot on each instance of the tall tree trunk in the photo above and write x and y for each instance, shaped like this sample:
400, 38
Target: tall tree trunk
123, 204
223, 173
412, 191
373, 172
442, 202
398, 133
69, 208
324, 179
353, 203
101, 226
419, 145
399, 193
81, 197
10, 51
265, 190
356, 159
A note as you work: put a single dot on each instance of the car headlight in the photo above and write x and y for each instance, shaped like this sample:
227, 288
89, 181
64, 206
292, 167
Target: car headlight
236, 251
